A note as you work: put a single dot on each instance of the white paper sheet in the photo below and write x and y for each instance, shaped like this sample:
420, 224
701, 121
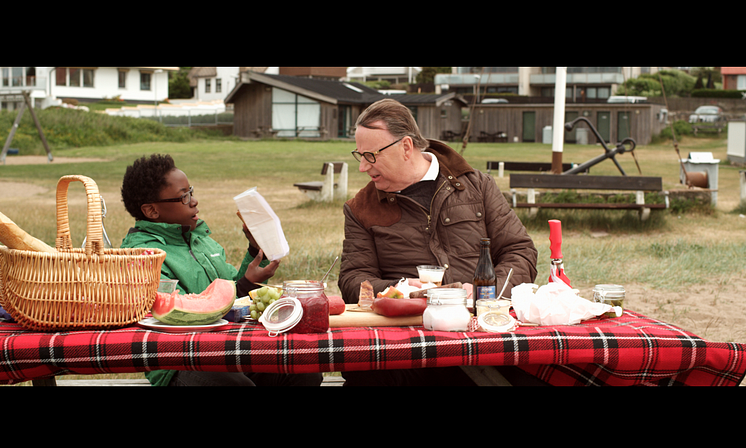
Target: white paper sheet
263, 223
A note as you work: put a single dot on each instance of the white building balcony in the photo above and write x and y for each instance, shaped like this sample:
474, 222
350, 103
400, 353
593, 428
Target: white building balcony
579, 78
17, 84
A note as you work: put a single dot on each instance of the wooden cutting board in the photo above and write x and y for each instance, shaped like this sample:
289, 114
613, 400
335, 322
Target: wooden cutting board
353, 317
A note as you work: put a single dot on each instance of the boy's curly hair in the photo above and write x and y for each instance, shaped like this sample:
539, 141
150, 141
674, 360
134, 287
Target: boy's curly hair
143, 181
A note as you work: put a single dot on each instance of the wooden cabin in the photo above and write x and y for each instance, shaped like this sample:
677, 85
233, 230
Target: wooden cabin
279, 106
613, 121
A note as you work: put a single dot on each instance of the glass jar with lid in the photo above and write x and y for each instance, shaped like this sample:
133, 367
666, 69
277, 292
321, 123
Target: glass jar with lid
446, 310
611, 295
302, 308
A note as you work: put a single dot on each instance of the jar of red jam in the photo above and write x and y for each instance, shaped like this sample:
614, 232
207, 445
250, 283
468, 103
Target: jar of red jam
310, 294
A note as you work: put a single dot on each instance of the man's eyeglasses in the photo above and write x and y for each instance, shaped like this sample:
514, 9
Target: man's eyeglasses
185, 198
371, 156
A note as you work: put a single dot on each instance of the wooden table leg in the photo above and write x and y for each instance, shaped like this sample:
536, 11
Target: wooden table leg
44, 382
485, 376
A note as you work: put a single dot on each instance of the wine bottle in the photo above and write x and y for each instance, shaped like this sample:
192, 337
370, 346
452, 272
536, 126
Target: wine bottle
484, 282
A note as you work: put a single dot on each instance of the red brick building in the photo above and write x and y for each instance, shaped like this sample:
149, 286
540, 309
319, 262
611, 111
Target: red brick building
734, 78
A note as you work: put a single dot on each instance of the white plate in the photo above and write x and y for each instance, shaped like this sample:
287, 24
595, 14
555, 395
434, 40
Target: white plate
154, 324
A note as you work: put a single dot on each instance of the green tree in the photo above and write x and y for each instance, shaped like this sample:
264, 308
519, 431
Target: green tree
178, 84
675, 83
707, 77
427, 75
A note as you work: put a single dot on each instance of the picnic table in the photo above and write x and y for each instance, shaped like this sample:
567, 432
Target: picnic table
629, 350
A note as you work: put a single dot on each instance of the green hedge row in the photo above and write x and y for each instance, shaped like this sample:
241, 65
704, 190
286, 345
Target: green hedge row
718, 93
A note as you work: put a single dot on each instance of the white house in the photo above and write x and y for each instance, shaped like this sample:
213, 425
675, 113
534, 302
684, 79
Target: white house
49, 85
394, 75
212, 83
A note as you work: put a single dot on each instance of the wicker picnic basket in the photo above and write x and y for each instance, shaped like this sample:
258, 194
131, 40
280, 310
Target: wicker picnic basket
79, 288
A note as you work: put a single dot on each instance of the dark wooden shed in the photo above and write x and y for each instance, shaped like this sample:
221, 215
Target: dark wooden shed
292, 106
526, 122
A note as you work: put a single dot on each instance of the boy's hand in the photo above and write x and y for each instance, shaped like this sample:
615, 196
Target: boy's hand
256, 274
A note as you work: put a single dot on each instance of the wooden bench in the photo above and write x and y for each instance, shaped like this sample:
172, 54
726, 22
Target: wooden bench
498, 137
708, 127
449, 136
327, 189
262, 132
639, 184
525, 166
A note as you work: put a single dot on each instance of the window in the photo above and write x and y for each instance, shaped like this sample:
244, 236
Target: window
218, 86
549, 92
551, 70
122, 79
597, 92
61, 76
74, 76
17, 77
145, 80
207, 85
478, 70
740, 82
294, 115
87, 78
502, 89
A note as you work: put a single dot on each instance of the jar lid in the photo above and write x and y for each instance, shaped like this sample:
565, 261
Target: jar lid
496, 322
302, 284
282, 315
609, 290
446, 296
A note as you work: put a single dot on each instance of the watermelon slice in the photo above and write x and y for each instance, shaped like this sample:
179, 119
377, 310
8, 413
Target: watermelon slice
195, 309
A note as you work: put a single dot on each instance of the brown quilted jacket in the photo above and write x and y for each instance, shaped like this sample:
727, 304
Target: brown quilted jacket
387, 234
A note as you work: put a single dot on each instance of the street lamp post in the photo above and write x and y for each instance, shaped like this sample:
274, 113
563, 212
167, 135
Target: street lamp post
155, 83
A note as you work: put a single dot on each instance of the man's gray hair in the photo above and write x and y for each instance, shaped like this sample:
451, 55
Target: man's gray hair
398, 119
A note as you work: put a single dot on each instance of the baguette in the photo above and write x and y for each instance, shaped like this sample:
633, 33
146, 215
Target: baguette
16, 238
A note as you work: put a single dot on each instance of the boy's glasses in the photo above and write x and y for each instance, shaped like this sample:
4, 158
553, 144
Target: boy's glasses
371, 156
185, 198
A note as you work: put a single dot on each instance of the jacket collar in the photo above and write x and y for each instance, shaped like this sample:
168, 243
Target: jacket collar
452, 165
375, 207
171, 232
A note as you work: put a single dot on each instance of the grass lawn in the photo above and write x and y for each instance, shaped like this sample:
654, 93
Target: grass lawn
669, 252
220, 169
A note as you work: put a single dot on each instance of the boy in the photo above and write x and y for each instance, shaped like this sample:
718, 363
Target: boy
158, 195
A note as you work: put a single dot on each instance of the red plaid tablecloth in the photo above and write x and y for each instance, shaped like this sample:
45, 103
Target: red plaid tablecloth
629, 350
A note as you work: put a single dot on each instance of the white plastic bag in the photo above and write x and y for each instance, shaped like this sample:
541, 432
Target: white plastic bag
554, 304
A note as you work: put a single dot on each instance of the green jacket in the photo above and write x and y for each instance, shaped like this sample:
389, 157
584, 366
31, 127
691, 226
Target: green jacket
192, 257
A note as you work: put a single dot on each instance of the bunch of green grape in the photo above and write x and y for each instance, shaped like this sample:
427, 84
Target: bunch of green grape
262, 298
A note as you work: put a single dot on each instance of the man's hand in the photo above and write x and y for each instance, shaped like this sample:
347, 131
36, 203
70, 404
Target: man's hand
414, 282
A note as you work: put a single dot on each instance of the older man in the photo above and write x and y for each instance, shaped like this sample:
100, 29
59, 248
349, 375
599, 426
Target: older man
423, 205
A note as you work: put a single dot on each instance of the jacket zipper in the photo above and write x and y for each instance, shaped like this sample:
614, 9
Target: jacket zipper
189, 245
428, 213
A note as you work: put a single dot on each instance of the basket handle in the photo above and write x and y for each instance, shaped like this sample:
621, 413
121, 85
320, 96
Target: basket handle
94, 232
